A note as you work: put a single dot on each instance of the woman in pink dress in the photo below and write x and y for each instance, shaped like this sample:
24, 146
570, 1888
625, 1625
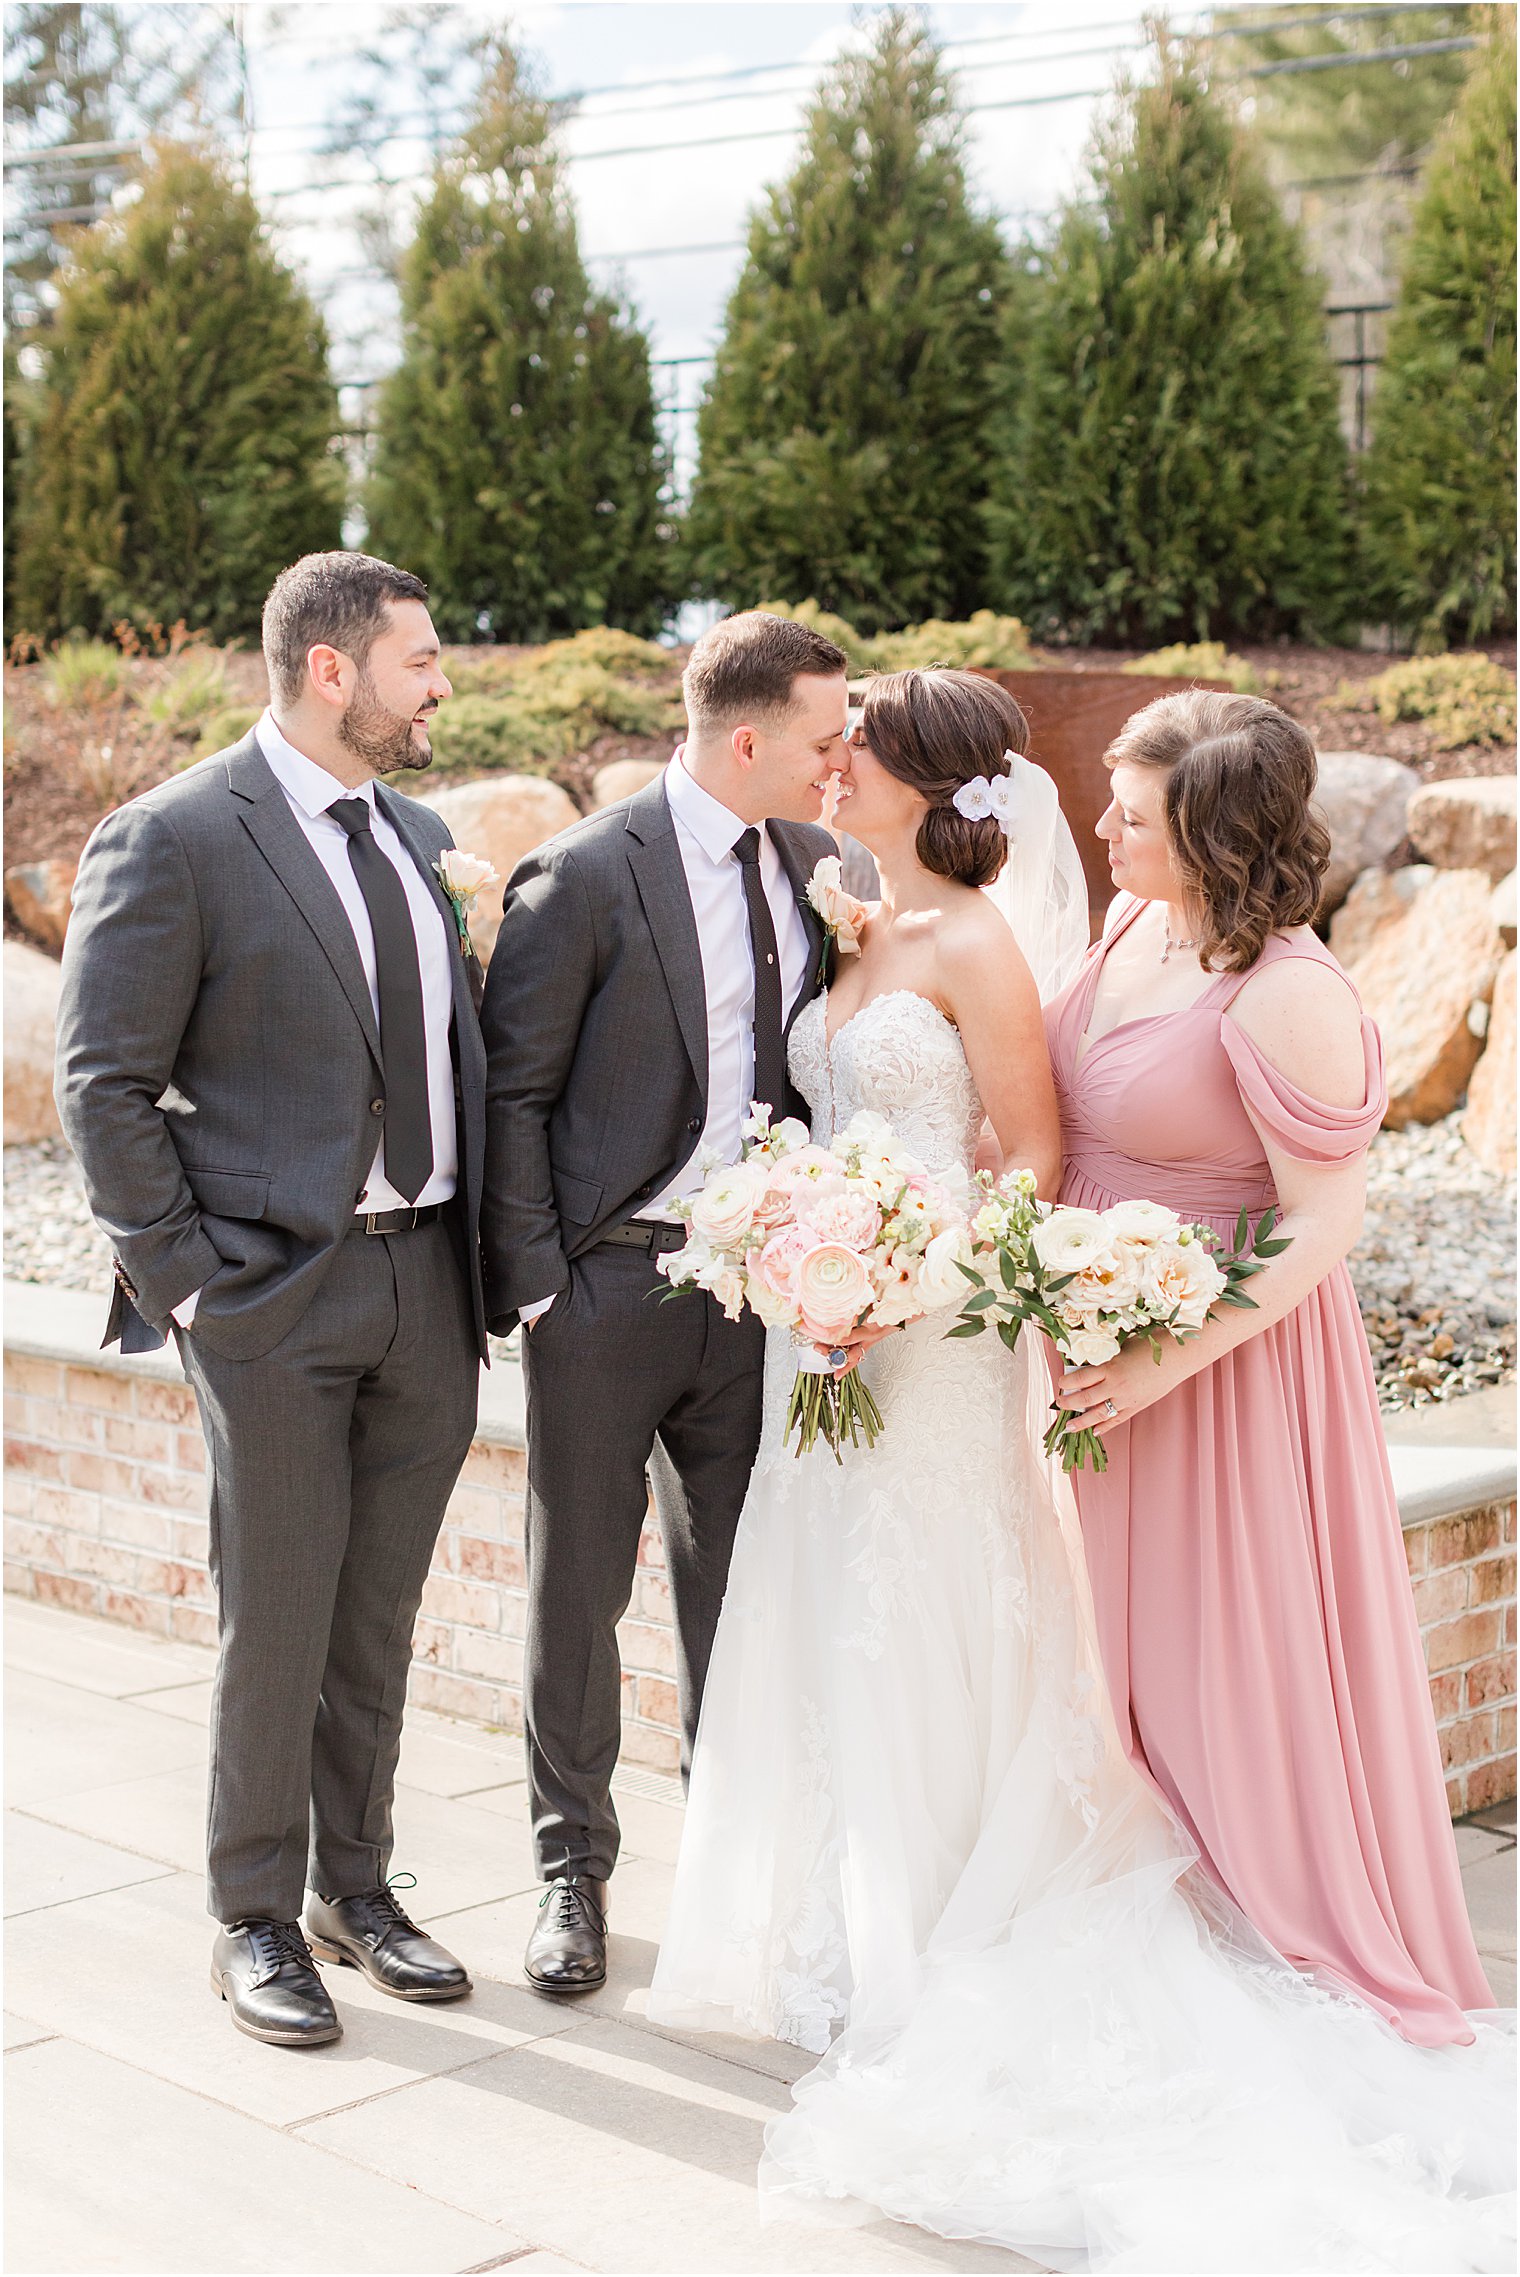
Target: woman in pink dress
1254, 1613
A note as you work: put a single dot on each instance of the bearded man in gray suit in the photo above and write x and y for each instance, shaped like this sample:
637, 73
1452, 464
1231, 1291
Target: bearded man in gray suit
648, 967
270, 1069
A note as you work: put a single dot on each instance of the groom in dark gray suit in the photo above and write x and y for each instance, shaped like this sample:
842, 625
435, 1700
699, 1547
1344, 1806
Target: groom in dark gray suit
271, 1071
649, 963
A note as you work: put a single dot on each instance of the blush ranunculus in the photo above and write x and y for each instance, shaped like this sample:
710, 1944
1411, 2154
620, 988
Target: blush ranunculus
833, 1290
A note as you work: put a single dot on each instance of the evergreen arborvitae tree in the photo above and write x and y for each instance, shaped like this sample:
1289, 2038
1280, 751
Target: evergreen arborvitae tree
1439, 503
182, 445
518, 466
841, 439
1169, 465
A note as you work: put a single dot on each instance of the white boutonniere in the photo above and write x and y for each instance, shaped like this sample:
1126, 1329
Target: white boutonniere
462, 877
843, 916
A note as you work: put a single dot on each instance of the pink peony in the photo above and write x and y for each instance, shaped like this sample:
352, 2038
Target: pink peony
851, 1217
775, 1265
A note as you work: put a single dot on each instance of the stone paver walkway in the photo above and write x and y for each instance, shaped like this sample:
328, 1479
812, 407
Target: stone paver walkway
143, 2133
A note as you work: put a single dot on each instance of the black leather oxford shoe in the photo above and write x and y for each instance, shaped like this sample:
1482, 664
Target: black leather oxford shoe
371, 1932
567, 1951
264, 1972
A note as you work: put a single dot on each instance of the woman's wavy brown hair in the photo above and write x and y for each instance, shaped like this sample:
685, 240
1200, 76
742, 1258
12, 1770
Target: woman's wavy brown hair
937, 729
1250, 849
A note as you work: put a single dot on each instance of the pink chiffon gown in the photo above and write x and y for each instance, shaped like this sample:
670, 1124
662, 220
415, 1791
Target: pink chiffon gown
1254, 1612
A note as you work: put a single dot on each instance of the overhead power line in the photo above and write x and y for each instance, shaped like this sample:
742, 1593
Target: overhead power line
1358, 55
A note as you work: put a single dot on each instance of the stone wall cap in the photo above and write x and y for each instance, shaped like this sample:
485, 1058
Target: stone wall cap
43, 1323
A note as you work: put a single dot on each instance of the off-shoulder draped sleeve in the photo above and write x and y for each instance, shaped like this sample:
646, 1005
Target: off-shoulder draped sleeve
1307, 1128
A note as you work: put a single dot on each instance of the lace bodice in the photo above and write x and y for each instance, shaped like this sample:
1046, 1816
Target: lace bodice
899, 1056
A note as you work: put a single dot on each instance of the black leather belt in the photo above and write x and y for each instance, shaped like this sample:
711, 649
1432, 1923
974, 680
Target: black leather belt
396, 1221
643, 1233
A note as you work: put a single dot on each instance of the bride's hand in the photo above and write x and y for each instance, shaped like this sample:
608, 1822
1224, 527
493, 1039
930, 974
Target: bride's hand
854, 1347
1103, 1397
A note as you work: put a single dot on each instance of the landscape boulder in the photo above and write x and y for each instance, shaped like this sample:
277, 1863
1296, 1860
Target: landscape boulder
500, 819
38, 897
1466, 823
622, 778
31, 1018
1489, 1124
1424, 957
1364, 800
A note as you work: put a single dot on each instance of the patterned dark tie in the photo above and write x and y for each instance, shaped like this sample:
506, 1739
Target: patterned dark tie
403, 1036
770, 1041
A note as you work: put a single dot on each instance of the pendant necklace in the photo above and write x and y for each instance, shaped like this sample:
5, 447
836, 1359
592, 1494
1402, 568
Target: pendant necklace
1171, 944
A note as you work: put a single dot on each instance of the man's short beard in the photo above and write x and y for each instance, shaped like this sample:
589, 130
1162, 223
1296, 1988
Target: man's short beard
377, 735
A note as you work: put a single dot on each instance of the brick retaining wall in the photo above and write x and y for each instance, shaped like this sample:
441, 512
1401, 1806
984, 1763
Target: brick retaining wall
105, 1512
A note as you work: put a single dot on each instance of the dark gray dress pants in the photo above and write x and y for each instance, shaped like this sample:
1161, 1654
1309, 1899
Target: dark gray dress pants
332, 1459
621, 1377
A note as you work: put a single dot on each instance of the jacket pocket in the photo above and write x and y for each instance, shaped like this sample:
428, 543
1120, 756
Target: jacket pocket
230, 1193
576, 1199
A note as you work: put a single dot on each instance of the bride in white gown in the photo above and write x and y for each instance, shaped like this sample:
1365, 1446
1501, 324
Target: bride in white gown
912, 1839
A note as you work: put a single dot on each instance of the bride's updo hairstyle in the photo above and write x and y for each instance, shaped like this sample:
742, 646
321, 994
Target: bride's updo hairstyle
936, 730
1249, 848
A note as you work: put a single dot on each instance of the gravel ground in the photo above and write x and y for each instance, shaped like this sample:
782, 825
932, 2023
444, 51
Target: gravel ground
1435, 1267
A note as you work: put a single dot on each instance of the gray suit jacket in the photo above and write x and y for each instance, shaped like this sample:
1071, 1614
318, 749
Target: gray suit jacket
595, 1020
219, 1072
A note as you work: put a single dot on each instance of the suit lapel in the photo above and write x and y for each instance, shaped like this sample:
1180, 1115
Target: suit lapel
654, 855
285, 847
399, 812
798, 873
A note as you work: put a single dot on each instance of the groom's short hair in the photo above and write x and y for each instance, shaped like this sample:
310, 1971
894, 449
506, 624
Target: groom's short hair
339, 599
744, 667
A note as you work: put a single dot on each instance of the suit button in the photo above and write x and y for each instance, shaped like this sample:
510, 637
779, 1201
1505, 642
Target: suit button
694, 1125
377, 1106
645, 1192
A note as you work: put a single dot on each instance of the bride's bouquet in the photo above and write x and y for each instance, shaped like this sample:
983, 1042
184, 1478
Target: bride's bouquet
1095, 1280
825, 1240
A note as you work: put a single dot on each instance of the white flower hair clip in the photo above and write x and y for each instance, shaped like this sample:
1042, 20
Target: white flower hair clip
990, 799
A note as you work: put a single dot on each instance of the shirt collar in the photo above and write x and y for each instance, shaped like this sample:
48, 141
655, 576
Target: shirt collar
312, 787
715, 827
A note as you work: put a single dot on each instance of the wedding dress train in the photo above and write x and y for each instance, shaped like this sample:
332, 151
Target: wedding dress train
914, 1842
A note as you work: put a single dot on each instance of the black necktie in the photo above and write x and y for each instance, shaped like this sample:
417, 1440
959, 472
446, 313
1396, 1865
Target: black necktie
770, 1082
403, 1037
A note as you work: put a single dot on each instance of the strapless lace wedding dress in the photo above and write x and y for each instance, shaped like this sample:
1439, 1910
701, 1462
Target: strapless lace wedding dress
913, 1841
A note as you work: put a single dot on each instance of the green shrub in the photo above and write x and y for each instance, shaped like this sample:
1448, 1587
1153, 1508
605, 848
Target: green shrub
859, 653
194, 690
984, 638
1438, 518
183, 427
1198, 660
83, 672
528, 712
999, 644
221, 729
1461, 699
518, 461
842, 437
1169, 463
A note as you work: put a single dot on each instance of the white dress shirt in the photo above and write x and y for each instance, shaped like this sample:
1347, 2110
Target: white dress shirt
310, 791
707, 832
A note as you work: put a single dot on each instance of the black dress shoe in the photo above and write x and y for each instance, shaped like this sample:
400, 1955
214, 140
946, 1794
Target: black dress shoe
370, 1932
264, 1972
567, 1951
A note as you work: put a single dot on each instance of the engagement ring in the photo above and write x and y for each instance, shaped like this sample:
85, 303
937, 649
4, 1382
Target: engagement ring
1109, 1407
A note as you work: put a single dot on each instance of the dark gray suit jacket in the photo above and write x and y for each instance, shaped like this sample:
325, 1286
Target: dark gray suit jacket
219, 1072
595, 1021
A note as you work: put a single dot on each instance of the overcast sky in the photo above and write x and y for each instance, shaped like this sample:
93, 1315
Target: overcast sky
655, 66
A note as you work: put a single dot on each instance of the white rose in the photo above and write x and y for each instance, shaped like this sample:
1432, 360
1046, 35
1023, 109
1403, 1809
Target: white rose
940, 1280
1140, 1221
1089, 1347
771, 1307
724, 1211
464, 874
841, 912
1116, 1277
1069, 1239
1181, 1282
